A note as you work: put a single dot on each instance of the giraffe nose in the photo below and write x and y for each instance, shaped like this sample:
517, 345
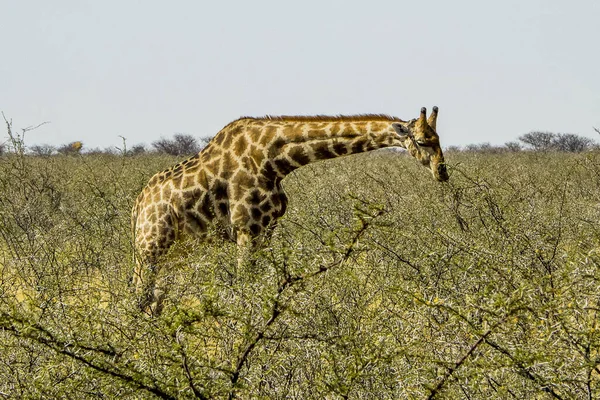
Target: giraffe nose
442, 172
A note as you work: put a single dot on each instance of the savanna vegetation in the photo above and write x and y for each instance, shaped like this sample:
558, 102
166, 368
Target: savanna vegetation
379, 283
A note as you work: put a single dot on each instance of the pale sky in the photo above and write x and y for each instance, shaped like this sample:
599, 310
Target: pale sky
148, 69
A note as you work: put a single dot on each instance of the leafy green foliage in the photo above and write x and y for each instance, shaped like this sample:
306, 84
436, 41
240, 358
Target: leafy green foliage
378, 283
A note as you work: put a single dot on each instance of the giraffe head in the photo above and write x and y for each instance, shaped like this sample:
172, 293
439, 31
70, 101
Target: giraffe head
423, 143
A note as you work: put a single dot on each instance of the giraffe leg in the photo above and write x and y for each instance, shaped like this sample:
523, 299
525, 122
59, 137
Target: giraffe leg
151, 288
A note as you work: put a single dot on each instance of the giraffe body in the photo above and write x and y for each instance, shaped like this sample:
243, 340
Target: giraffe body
234, 183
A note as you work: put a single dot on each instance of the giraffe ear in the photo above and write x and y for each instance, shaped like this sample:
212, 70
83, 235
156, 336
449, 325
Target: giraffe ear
401, 130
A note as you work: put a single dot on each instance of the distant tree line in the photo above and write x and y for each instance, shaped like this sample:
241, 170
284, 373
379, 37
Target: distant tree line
537, 141
184, 145
179, 145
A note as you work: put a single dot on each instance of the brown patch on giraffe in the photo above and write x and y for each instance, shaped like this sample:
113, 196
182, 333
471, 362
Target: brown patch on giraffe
229, 136
321, 151
340, 148
279, 200
229, 166
223, 208
257, 154
371, 145
279, 142
255, 197
266, 179
299, 155
254, 132
275, 200
266, 184
202, 179
219, 190
218, 139
240, 146
234, 131
206, 206
255, 229
163, 236
255, 213
240, 184
268, 134
266, 220
358, 146
266, 206
292, 132
284, 166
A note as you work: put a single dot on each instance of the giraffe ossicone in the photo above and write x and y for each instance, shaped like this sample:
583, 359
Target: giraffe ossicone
235, 181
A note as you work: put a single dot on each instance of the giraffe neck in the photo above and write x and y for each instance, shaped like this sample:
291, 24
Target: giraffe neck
303, 140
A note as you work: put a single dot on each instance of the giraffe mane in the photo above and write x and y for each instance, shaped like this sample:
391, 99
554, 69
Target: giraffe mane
326, 118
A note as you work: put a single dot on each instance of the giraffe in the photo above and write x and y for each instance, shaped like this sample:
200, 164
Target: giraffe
235, 181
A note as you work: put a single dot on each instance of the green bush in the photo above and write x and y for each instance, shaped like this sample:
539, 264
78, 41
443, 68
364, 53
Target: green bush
378, 283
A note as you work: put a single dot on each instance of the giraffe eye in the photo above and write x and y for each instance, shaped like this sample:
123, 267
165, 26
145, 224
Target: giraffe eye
422, 143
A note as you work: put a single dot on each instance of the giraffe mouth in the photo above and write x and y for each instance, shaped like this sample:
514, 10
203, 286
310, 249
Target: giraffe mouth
441, 173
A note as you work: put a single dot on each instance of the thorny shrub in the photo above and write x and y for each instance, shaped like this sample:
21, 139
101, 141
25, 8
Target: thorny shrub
378, 283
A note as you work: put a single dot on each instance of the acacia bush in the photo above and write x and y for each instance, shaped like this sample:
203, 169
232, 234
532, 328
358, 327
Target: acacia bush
42, 150
180, 145
569, 142
137, 149
378, 283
